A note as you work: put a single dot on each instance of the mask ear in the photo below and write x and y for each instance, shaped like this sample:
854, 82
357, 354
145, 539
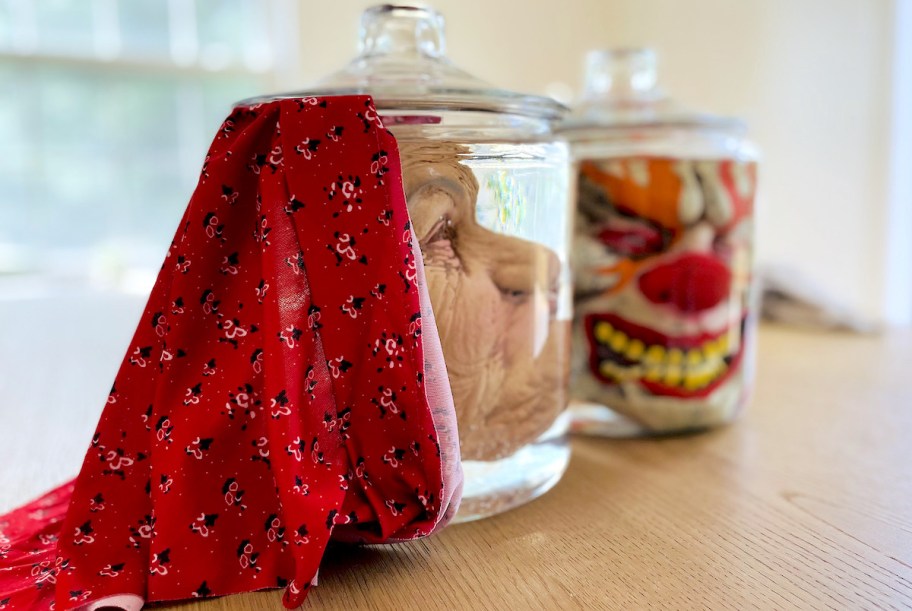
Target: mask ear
432, 172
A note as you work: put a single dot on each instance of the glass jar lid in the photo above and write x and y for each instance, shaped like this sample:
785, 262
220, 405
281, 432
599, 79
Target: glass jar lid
402, 64
621, 90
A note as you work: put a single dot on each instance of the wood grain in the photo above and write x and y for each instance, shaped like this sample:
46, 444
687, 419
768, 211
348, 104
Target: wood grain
805, 503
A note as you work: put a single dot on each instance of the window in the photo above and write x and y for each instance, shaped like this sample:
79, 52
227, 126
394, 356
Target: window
106, 110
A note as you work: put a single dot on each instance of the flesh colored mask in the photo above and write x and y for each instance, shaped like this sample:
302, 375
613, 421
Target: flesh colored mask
662, 263
495, 299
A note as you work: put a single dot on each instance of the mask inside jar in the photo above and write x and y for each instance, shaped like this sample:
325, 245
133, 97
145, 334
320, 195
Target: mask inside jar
495, 301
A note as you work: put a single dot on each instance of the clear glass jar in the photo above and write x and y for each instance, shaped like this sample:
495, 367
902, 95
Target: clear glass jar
663, 248
488, 190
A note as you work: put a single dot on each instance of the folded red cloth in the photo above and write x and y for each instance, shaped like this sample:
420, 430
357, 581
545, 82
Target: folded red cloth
285, 385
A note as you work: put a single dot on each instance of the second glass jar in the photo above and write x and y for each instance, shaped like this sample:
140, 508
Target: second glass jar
664, 290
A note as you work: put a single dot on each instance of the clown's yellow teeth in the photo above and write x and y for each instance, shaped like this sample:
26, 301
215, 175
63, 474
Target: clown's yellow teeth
690, 369
670, 375
635, 350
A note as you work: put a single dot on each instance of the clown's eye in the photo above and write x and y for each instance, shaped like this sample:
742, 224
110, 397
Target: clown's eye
631, 237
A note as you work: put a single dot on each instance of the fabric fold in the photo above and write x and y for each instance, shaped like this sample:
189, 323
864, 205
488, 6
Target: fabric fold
285, 385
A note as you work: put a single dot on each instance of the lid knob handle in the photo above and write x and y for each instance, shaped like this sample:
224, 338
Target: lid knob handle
403, 31
629, 73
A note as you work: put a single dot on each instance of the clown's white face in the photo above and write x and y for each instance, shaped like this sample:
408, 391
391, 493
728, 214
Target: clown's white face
662, 274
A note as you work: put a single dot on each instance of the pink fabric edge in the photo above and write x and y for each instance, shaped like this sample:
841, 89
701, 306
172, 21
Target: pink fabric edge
126, 602
440, 399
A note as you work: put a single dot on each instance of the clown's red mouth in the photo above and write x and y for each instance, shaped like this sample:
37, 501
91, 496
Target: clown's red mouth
677, 366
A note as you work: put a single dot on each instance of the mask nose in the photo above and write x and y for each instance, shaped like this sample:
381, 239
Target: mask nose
691, 283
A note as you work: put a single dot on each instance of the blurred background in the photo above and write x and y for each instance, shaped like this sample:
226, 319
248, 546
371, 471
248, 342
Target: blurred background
107, 108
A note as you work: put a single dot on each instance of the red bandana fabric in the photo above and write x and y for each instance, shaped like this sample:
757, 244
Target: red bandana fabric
285, 385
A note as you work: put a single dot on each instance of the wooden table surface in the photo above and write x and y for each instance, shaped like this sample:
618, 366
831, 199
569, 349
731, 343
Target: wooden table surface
805, 503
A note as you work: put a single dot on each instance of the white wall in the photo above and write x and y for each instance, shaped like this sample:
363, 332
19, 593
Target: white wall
812, 78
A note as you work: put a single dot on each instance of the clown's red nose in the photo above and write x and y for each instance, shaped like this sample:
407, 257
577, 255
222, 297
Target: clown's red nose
691, 283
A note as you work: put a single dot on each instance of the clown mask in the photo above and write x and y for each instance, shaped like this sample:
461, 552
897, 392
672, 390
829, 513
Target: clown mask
662, 272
